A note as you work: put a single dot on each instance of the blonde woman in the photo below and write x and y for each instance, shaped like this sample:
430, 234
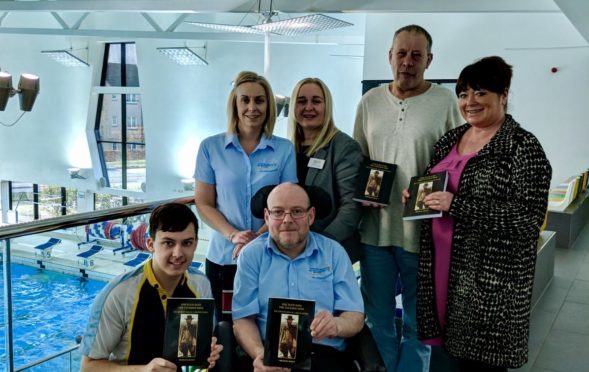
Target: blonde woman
230, 168
327, 158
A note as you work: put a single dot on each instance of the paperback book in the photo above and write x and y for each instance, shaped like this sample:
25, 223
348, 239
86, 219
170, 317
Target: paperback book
288, 333
188, 331
419, 188
375, 181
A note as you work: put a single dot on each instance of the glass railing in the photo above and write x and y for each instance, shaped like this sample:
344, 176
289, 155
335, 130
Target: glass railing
54, 257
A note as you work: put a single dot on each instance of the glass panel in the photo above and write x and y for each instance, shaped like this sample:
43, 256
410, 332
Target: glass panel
71, 201
22, 202
135, 131
112, 155
49, 201
135, 201
113, 68
131, 65
135, 167
110, 117
106, 201
49, 308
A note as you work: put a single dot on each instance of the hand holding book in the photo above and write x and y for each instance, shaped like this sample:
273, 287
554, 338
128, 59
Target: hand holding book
426, 196
439, 201
323, 325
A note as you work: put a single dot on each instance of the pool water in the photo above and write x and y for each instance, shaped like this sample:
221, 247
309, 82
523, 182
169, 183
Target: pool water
49, 310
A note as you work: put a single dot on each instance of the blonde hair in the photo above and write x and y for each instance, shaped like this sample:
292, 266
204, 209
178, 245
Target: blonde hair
232, 115
328, 128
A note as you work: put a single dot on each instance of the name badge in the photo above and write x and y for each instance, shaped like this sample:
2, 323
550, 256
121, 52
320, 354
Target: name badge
316, 163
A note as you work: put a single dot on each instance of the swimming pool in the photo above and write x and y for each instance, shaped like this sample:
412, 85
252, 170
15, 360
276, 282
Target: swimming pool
49, 310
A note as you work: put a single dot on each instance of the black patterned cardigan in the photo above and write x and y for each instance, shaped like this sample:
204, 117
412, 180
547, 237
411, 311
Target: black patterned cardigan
498, 210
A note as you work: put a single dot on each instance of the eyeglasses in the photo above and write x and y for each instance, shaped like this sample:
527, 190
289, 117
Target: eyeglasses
296, 213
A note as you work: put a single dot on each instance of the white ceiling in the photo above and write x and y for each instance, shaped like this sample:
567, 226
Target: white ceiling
165, 18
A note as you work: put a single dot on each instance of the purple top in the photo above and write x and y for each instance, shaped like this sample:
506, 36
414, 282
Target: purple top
442, 232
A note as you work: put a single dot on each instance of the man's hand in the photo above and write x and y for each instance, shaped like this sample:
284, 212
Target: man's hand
215, 352
160, 365
260, 367
324, 325
405, 196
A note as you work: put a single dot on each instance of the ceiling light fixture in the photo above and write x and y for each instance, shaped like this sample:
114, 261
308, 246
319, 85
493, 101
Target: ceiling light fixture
65, 57
288, 27
183, 56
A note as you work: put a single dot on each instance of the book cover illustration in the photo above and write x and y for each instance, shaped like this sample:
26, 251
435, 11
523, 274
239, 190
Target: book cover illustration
188, 331
419, 188
375, 181
288, 340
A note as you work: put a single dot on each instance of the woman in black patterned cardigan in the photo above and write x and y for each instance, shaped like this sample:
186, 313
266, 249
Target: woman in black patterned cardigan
476, 265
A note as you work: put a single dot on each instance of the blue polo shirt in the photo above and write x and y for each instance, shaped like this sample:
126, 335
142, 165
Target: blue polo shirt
221, 161
323, 273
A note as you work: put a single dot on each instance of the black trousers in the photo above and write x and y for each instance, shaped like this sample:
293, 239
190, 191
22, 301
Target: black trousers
323, 359
221, 278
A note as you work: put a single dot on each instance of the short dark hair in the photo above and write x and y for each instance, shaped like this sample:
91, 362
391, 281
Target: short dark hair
419, 30
172, 217
490, 73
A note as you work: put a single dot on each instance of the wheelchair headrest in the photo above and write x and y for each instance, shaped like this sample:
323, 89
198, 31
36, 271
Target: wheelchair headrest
319, 199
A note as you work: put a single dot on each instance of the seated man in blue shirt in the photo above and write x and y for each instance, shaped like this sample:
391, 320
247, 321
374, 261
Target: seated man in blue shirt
289, 261
126, 327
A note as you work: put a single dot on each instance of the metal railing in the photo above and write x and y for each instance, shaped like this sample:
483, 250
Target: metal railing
53, 356
36, 227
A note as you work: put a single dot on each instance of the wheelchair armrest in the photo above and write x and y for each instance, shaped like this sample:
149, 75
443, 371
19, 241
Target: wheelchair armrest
365, 352
224, 333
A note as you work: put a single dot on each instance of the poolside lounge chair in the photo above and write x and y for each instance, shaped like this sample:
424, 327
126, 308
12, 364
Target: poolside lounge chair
44, 250
138, 260
86, 258
197, 265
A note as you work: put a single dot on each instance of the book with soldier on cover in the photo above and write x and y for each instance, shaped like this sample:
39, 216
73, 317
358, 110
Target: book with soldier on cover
375, 180
188, 331
419, 188
288, 333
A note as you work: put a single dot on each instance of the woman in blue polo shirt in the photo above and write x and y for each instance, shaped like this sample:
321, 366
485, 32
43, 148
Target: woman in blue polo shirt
230, 168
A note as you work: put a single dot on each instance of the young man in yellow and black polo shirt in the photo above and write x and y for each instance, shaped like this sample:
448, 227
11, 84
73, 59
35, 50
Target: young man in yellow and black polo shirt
126, 327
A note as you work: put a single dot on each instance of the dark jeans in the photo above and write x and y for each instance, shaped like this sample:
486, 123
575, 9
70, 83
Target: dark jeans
221, 278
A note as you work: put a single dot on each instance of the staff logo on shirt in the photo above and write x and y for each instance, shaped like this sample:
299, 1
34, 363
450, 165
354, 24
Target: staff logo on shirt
267, 167
320, 272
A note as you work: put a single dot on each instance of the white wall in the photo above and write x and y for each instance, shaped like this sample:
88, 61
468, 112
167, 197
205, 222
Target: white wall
552, 106
51, 137
181, 105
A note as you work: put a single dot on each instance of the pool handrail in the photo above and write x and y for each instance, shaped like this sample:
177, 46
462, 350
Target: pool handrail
52, 356
84, 218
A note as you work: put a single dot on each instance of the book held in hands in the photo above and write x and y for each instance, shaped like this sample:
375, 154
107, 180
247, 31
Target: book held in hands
419, 188
288, 340
188, 331
375, 181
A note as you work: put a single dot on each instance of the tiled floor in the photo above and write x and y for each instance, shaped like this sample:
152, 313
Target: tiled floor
559, 333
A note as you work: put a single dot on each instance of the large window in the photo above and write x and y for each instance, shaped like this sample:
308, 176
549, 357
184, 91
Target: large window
119, 121
30, 202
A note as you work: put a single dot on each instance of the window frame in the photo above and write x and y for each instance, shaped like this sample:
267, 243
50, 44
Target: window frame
128, 95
